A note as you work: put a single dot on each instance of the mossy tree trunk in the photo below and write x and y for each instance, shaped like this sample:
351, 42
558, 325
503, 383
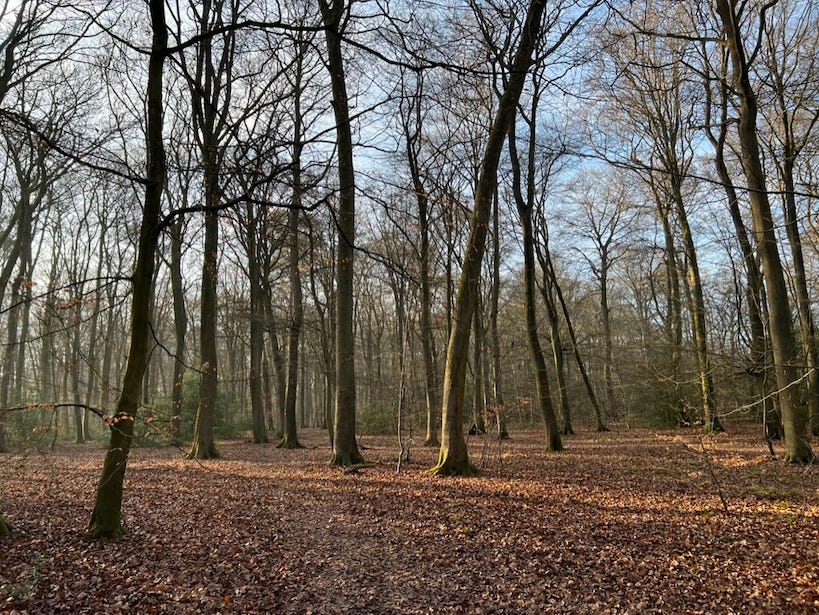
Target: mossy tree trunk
106, 519
452, 456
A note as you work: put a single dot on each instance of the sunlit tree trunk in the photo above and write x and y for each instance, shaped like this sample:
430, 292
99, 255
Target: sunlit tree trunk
452, 456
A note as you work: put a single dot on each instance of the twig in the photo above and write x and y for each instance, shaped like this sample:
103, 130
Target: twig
713, 474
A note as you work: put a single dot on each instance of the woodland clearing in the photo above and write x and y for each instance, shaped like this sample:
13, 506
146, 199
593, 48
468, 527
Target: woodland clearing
628, 522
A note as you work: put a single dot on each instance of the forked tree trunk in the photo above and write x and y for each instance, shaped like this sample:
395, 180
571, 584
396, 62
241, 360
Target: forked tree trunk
106, 519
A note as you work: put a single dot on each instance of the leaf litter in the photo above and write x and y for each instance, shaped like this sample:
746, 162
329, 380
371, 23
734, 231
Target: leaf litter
630, 522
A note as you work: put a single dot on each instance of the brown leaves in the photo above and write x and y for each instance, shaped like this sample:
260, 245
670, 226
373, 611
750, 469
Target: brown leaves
619, 523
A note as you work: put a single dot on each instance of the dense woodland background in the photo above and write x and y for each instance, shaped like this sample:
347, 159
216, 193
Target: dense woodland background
650, 246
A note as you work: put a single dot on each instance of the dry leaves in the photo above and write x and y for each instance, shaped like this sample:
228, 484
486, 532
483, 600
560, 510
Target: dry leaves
619, 523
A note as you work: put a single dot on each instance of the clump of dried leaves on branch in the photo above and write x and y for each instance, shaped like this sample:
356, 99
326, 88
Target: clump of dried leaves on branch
631, 522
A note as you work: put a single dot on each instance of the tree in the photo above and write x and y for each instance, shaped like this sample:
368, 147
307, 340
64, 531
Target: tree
289, 435
345, 447
660, 100
452, 456
411, 124
791, 75
783, 341
525, 202
211, 88
106, 519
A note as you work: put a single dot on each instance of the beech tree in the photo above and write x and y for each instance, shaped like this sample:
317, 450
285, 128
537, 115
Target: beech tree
452, 456
785, 350
345, 446
106, 519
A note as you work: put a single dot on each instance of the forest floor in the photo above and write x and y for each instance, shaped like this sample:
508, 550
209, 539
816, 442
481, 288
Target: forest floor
629, 522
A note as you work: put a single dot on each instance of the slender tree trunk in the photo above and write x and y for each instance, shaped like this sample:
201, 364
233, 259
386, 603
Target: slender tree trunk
807, 326
8, 357
557, 357
712, 422
672, 323
753, 296
478, 397
497, 373
553, 439
290, 436
180, 319
545, 260
256, 327
452, 456
427, 341
106, 519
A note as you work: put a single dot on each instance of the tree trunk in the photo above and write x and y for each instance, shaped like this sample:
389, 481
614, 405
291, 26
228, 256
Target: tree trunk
452, 456
497, 389
106, 519
785, 354
712, 423
180, 320
204, 446
290, 437
478, 389
345, 447
256, 327
427, 342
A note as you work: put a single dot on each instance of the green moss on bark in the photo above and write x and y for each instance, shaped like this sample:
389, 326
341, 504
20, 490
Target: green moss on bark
5, 528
